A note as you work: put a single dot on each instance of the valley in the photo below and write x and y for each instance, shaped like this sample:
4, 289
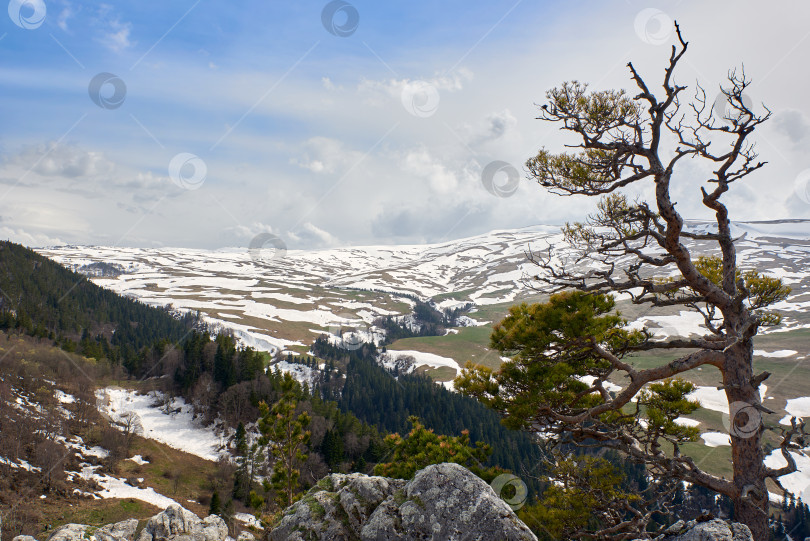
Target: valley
281, 306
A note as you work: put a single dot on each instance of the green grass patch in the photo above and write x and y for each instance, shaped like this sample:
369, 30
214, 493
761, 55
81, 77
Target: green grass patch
171, 472
469, 344
93, 512
455, 295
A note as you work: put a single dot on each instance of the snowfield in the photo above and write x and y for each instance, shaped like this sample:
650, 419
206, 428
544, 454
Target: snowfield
256, 300
178, 429
315, 287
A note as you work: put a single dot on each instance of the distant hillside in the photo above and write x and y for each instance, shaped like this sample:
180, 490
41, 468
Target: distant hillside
42, 298
287, 302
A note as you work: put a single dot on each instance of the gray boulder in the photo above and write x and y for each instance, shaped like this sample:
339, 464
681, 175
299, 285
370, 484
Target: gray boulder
715, 530
179, 524
120, 531
68, 532
710, 530
445, 501
441, 502
336, 508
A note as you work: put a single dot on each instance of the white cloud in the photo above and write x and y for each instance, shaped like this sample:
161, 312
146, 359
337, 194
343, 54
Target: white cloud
114, 33
246, 233
326, 155
64, 15
420, 163
117, 39
312, 236
21, 236
376, 91
70, 162
793, 124
63, 163
495, 126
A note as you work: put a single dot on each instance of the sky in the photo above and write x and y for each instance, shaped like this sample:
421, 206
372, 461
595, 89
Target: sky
206, 124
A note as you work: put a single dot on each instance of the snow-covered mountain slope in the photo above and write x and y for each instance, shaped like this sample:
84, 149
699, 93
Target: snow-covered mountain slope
288, 301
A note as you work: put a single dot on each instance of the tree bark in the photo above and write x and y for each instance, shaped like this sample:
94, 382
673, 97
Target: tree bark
746, 428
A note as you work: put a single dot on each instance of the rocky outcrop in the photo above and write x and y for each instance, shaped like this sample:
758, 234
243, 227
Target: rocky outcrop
69, 532
441, 502
336, 508
710, 530
120, 531
179, 524
173, 524
444, 501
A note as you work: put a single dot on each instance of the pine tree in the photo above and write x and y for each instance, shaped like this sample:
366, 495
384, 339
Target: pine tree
627, 144
332, 448
216, 504
285, 437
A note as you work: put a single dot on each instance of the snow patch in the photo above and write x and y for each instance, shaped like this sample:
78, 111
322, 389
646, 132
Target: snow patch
64, 398
138, 459
424, 359
798, 407
610, 387
302, 374
250, 520
711, 398
797, 482
177, 429
776, 354
716, 439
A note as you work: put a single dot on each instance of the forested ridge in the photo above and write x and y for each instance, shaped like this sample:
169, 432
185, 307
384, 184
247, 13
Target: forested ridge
44, 299
386, 399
